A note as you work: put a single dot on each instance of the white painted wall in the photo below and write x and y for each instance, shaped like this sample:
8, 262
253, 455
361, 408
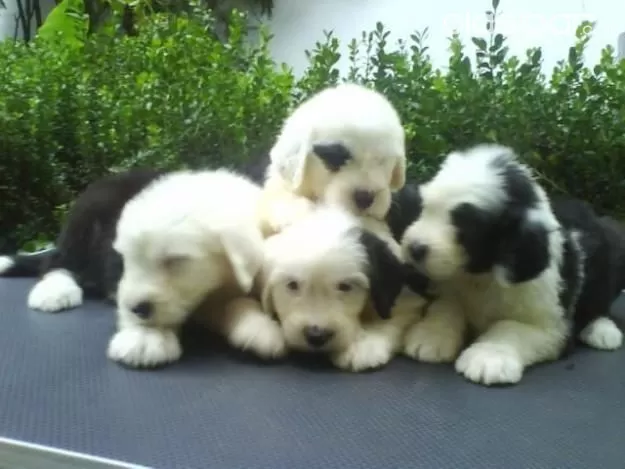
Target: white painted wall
297, 24
8, 15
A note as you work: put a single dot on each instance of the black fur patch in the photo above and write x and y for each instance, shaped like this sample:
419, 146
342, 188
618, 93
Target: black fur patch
386, 274
333, 155
505, 237
84, 246
406, 207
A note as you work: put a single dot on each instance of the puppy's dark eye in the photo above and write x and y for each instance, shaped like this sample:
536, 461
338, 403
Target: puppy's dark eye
292, 285
344, 287
174, 262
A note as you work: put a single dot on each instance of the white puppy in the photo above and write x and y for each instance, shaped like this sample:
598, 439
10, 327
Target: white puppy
335, 288
186, 235
522, 273
343, 146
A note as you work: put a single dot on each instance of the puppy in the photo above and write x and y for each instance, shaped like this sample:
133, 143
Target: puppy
337, 288
523, 275
157, 243
180, 242
343, 146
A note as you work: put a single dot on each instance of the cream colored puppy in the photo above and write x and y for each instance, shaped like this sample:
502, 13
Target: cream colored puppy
179, 243
337, 288
343, 146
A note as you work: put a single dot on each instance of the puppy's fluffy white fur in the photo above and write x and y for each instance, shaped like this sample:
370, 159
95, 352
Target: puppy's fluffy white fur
186, 235
323, 278
343, 141
518, 321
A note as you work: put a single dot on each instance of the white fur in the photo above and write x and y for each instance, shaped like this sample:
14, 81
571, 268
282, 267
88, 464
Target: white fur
186, 235
57, 290
602, 334
360, 119
5, 264
517, 325
320, 253
247, 327
139, 346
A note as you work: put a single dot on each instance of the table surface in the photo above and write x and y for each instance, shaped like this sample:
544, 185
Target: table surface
220, 409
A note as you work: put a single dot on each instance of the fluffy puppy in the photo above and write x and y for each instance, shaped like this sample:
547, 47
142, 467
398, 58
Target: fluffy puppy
343, 146
337, 288
522, 274
180, 242
158, 243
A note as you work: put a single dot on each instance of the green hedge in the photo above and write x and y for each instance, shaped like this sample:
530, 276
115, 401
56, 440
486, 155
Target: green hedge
175, 96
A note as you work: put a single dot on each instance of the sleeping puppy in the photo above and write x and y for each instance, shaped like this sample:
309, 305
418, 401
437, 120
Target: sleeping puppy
523, 275
158, 244
337, 288
343, 146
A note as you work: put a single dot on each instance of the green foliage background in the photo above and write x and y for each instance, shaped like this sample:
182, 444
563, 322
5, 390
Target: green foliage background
74, 106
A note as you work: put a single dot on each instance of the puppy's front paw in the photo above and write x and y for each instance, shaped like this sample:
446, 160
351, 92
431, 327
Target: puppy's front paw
485, 363
369, 351
602, 334
429, 342
56, 291
143, 347
260, 335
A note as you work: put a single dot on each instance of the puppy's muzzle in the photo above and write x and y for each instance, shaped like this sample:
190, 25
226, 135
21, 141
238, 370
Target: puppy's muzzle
363, 198
418, 252
317, 337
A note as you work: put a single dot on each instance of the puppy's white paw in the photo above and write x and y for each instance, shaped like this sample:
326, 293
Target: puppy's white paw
144, 347
430, 342
602, 334
260, 335
485, 363
369, 351
57, 290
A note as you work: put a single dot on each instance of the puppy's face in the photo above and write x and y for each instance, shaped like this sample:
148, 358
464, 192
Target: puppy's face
319, 277
345, 146
481, 213
354, 177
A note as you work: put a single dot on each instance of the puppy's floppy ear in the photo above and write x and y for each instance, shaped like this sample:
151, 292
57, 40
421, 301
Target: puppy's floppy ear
524, 250
398, 176
244, 250
386, 274
289, 156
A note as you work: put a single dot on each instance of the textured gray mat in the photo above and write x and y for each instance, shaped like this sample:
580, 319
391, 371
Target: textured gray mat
216, 410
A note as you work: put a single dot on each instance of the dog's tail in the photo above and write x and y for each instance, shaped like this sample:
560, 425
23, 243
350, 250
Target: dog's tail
25, 265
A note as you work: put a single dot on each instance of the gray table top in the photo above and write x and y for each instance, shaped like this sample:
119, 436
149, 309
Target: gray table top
218, 409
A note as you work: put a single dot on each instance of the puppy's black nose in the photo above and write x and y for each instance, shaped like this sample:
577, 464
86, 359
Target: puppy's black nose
143, 309
317, 336
363, 199
418, 251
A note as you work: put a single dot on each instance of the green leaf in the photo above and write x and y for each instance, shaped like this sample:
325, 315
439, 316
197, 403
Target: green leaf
495, 4
480, 43
68, 22
497, 42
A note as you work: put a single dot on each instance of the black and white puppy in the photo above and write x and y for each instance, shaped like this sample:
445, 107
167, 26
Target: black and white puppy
523, 274
336, 288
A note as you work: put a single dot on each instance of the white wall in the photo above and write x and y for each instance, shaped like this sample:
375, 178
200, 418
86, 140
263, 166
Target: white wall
297, 24
8, 15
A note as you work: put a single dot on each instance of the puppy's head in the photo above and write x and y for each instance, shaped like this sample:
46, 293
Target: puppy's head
322, 273
343, 146
183, 237
483, 212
